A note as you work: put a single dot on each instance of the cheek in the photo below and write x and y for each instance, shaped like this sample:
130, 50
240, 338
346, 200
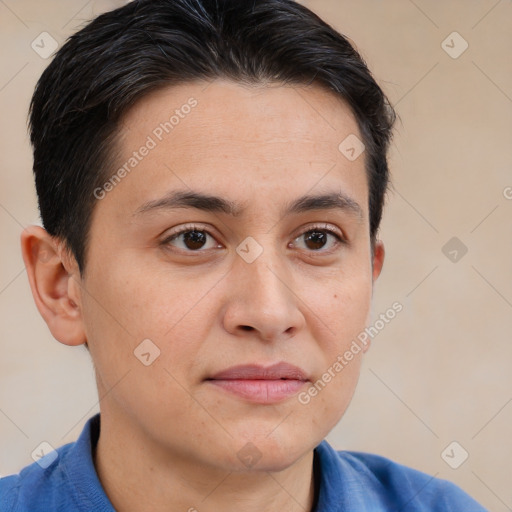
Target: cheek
130, 299
131, 314
125, 306
344, 306
341, 316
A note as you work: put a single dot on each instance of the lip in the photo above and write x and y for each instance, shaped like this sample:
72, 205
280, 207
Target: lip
261, 384
275, 371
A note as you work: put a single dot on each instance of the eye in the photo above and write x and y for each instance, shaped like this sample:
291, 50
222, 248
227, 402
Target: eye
317, 238
191, 239
195, 239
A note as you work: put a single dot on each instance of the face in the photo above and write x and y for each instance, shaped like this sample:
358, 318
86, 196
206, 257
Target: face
253, 277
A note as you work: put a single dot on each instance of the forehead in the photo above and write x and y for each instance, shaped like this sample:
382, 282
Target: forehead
230, 140
228, 110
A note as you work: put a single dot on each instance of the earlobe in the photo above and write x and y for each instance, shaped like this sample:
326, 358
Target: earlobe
54, 286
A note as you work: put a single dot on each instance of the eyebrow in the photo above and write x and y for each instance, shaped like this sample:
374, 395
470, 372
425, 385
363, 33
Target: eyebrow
210, 203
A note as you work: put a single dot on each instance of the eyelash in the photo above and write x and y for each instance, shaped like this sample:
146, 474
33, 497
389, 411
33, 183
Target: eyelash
340, 240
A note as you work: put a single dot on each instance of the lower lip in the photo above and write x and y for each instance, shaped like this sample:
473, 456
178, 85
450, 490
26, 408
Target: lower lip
261, 391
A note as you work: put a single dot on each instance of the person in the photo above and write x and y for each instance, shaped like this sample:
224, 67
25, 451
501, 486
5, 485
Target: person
211, 176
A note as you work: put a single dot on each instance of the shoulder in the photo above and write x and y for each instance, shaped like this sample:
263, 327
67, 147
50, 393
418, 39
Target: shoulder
9, 489
37, 485
407, 486
62, 480
384, 483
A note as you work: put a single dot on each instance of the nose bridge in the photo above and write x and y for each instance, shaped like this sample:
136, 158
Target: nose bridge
263, 300
264, 275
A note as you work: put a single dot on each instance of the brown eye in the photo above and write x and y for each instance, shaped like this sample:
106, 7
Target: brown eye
190, 239
317, 239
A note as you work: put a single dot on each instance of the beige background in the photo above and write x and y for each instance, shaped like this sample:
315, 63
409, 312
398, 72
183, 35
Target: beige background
440, 371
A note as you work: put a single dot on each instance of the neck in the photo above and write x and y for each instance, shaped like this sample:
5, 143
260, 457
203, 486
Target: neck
137, 475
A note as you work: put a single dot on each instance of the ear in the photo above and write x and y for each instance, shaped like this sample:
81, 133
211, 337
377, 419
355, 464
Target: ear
55, 283
378, 259
377, 264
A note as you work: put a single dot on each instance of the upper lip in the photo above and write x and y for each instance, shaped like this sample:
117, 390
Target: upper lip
275, 371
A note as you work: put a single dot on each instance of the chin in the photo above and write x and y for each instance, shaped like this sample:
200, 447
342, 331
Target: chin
264, 453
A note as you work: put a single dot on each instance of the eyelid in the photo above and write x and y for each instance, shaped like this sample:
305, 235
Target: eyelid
184, 229
324, 226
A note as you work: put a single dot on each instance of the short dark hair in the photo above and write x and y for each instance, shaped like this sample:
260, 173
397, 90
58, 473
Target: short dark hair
122, 55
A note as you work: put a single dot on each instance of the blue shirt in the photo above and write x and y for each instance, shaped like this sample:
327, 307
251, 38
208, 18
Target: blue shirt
346, 481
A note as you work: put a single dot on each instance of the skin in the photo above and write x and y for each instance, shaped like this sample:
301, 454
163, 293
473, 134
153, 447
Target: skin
169, 439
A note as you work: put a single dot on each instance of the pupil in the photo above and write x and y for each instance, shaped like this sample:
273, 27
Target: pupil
317, 237
194, 239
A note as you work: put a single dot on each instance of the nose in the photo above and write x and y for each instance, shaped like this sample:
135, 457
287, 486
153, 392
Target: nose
263, 299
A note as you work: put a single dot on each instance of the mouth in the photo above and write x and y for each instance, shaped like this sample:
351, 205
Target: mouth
261, 384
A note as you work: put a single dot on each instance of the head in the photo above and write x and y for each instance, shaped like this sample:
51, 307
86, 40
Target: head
174, 142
